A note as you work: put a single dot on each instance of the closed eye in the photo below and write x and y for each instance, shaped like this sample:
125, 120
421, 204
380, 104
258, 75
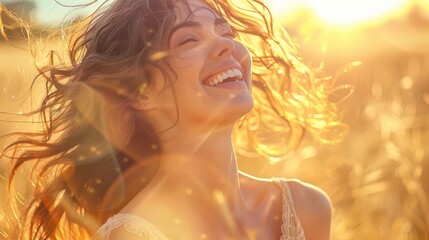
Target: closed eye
229, 35
188, 40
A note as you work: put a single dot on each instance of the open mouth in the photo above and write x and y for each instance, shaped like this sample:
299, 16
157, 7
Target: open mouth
230, 75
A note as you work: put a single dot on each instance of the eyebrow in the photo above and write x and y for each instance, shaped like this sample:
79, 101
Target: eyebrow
194, 24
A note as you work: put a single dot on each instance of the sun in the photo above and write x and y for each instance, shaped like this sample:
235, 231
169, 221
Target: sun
339, 12
346, 12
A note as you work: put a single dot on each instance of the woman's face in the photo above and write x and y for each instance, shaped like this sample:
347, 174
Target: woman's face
213, 82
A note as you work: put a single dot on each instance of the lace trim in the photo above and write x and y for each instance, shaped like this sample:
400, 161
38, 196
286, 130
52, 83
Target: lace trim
132, 224
291, 226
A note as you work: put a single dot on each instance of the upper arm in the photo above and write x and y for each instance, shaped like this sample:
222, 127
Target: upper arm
313, 208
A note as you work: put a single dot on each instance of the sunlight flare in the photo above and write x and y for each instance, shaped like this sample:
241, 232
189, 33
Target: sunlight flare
340, 12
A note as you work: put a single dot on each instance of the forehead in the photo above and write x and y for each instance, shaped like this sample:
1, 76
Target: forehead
194, 8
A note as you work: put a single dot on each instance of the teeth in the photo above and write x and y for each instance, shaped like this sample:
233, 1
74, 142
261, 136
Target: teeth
238, 73
224, 75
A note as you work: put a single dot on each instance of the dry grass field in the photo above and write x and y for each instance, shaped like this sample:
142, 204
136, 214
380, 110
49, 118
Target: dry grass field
378, 176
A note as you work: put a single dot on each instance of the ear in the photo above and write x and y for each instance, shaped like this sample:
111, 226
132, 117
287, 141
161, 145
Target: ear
143, 103
146, 98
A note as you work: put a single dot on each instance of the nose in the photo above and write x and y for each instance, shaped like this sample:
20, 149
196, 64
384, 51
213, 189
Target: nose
223, 47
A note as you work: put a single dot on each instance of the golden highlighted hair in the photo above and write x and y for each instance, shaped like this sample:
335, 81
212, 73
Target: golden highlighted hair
86, 155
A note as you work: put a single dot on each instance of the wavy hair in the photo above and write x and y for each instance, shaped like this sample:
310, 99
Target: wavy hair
87, 163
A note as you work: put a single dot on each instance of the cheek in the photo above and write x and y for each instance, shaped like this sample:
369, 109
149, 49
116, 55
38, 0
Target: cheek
242, 55
188, 57
187, 66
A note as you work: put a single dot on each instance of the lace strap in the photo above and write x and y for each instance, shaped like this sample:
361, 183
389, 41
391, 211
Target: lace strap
132, 224
291, 227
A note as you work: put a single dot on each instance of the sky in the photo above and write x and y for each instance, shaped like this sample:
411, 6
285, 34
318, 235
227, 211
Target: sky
330, 11
344, 12
51, 13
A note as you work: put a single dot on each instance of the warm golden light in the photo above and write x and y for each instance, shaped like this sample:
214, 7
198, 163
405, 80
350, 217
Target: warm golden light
340, 12
345, 12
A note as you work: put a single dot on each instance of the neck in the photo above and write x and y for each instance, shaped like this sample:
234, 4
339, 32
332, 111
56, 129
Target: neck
206, 162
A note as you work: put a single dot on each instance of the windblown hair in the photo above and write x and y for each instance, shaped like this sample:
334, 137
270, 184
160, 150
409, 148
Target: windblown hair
93, 146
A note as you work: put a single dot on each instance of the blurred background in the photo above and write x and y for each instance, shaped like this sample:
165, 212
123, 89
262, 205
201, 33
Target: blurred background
377, 177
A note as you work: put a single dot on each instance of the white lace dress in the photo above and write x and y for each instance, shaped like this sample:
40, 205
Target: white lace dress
291, 226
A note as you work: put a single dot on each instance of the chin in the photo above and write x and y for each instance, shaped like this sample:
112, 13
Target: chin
238, 107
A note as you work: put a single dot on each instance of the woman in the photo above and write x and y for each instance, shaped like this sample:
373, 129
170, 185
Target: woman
137, 141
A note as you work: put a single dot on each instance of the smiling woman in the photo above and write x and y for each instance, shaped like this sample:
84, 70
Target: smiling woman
144, 120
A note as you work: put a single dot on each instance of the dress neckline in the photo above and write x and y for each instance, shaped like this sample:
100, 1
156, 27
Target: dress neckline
291, 225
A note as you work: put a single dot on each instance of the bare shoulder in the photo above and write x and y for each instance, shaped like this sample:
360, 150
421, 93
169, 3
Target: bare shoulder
311, 203
313, 207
